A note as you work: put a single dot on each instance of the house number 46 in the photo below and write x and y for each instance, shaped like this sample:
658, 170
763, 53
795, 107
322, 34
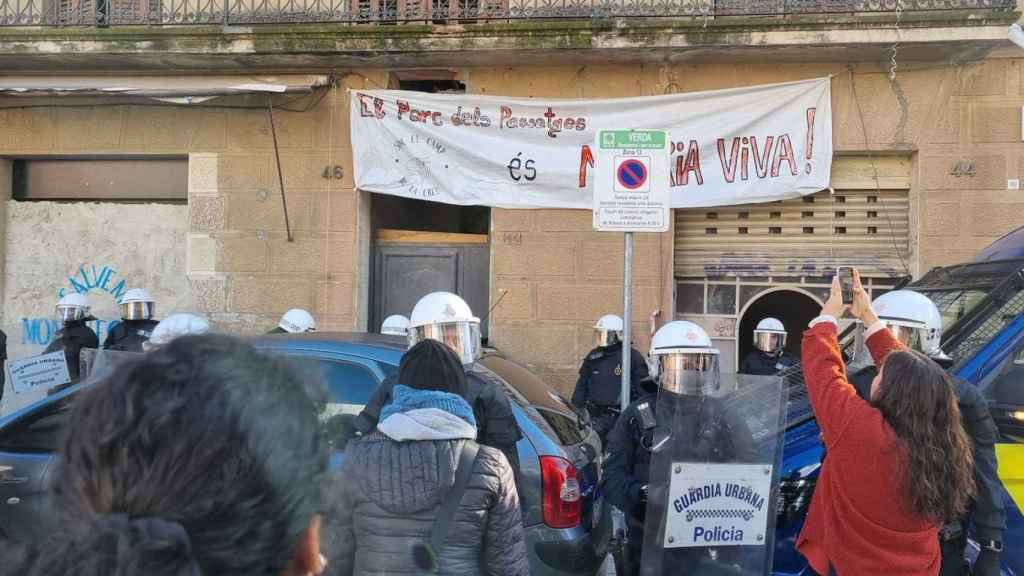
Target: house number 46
336, 172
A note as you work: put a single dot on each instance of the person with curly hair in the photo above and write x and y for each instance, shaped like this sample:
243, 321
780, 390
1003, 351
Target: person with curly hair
899, 464
203, 456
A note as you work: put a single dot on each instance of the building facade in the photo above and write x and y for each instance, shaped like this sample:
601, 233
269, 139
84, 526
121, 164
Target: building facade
108, 190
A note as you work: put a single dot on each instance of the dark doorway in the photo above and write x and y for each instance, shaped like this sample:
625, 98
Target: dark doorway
422, 247
397, 213
794, 309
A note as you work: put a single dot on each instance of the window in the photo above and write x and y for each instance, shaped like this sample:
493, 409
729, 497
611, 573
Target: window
349, 385
563, 426
154, 179
689, 298
722, 299
40, 432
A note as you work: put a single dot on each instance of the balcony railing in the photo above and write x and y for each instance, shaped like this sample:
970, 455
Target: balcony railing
243, 12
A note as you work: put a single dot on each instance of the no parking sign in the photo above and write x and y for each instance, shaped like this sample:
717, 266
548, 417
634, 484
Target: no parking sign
631, 192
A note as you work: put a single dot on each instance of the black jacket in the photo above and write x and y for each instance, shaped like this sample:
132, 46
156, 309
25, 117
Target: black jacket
987, 512
128, 335
71, 339
703, 430
600, 379
388, 494
760, 364
494, 419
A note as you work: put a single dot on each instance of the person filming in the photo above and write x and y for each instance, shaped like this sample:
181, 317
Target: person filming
899, 464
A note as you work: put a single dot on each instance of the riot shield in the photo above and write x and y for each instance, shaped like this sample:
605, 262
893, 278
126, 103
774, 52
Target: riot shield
715, 461
95, 364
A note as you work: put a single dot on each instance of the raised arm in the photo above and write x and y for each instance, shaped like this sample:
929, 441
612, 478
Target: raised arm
833, 398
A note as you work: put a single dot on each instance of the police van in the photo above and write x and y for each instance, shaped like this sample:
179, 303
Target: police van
982, 305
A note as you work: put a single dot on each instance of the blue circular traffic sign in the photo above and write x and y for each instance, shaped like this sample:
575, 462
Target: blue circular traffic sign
632, 174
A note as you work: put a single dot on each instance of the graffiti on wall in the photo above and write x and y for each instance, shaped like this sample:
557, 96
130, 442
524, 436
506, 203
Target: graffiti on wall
88, 279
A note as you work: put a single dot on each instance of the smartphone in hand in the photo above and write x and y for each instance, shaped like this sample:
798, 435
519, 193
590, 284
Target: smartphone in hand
846, 283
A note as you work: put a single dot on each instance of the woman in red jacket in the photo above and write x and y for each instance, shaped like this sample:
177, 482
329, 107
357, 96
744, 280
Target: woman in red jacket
898, 466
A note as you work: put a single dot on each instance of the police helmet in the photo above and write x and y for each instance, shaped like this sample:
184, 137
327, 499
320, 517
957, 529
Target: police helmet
770, 336
685, 360
608, 330
176, 326
913, 319
395, 325
73, 307
445, 317
137, 304
297, 321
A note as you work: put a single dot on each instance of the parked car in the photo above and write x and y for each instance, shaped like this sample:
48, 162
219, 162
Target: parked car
558, 448
982, 304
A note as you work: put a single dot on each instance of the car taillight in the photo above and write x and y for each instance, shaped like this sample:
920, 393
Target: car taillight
563, 506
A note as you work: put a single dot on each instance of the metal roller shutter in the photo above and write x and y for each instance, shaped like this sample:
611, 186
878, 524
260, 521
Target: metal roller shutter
862, 225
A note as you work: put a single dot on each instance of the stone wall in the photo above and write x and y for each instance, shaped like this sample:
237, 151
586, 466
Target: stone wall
235, 263
99, 247
561, 276
960, 125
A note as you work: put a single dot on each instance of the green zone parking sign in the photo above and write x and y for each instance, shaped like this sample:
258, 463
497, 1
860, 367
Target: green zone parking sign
631, 191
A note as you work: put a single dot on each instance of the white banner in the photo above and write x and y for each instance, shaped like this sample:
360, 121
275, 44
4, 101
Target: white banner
736, 146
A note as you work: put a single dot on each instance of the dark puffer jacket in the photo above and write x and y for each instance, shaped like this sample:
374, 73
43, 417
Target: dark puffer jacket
388, 494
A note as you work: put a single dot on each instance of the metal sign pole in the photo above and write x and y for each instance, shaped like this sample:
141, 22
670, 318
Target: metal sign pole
627, 319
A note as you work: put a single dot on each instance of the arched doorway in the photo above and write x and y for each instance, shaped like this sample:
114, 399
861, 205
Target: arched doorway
794, 307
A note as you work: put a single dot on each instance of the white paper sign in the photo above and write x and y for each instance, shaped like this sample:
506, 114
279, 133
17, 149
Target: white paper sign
736, 146
718, 505
631, 192
38, 372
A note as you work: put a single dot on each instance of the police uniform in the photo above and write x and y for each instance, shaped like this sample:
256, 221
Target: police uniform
758, 363
129, 335
705, 432
496, 425
71, 339
987, 514
599, 386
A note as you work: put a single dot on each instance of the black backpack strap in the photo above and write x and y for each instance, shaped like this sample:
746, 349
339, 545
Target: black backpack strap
439, 531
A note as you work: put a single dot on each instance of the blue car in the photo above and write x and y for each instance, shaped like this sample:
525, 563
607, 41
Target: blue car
982, 304
559, 454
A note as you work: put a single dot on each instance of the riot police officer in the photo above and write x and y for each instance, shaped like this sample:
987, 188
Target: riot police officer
769, 356
599, 386
75, 335
395, 325
295, 321
686, 369
136, 325
916, 322
445, 317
